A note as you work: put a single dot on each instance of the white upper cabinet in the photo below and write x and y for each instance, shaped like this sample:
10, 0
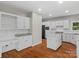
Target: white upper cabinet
27, 23
59, 23
20, 23
8, 22
66, 24
12, 22
53, 24
59, 26
23, 22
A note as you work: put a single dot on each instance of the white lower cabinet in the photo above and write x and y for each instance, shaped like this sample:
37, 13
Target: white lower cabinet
19, 43
54, 41
8, 46
77, 49
0, 51
77, 44
69, 37
24, 42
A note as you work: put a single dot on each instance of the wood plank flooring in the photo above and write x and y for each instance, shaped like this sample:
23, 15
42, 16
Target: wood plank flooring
67, 50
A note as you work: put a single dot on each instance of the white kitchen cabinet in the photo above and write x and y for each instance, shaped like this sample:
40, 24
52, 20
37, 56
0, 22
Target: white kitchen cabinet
36, 29
8, 22
52, 25
66, 24
54, 41
59, 23
12, 22
0, 51
27, 23
24, 42
20, 22
77, 44
23, 22
7, 46
69, 37
47, 23
77, 51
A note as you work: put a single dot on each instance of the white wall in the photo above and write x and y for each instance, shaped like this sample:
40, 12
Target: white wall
36, 28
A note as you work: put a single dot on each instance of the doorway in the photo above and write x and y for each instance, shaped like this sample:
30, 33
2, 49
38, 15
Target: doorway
43, 32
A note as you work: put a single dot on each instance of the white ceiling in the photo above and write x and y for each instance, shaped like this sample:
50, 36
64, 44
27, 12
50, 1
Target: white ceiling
48, 7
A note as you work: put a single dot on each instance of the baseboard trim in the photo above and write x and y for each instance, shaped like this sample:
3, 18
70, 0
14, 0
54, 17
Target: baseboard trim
36, 44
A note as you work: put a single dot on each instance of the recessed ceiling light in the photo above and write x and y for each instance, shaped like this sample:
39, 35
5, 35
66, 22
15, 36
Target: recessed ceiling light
60, 2
50, 14
67, 11
40, 9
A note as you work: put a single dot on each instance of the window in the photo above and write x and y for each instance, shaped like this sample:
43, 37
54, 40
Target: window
75, 26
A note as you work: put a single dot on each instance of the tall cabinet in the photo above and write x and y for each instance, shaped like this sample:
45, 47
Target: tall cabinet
36, 29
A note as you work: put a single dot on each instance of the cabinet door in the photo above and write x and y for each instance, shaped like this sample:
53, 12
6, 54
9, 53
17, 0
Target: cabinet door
68, 37
20, 22
36, 29
59, 23
24, 42
77, 48
0, 21
0, 51
53, 25
54, 41
66, 24
8, 22
8, 46
27, 23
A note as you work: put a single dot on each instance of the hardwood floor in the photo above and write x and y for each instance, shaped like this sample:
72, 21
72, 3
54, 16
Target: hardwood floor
67, 50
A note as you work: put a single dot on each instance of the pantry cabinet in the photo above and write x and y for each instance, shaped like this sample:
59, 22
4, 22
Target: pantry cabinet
36, 29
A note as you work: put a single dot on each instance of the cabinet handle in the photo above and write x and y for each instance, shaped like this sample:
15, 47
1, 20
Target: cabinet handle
6, 45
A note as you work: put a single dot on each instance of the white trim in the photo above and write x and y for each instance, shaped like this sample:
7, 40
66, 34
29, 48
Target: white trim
36, 43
